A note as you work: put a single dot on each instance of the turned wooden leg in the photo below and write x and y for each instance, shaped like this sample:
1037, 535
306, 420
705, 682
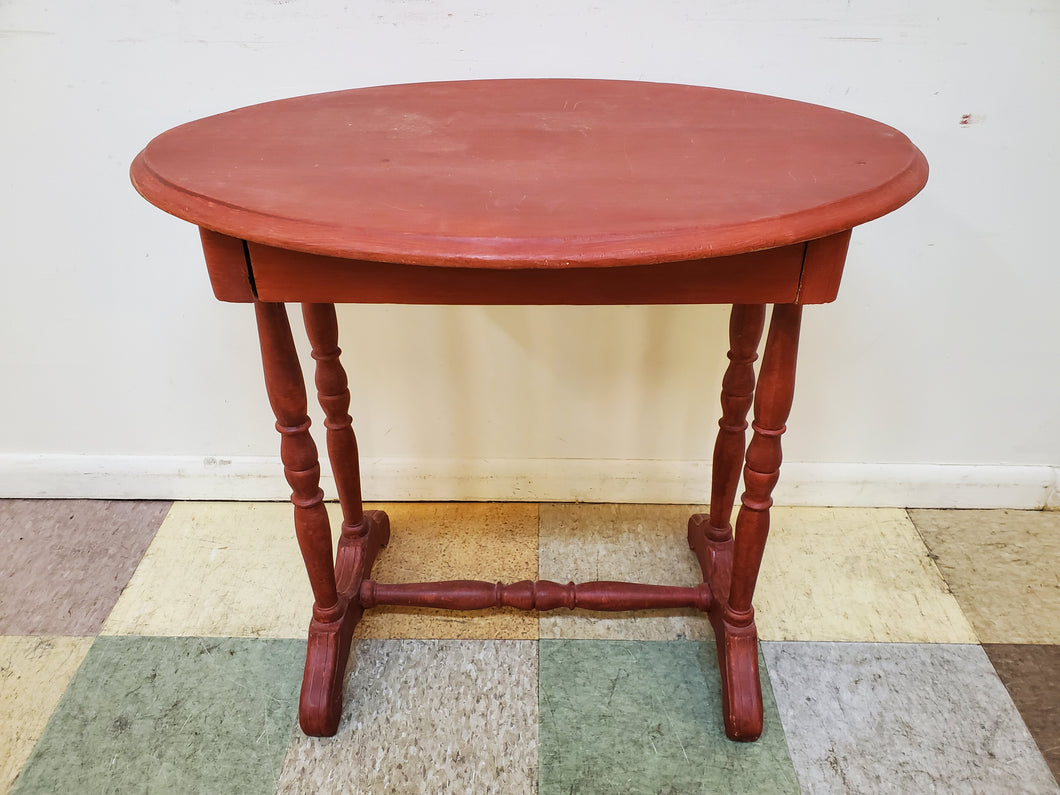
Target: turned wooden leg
286, 390
364, 533
322, 327
710, 536
733, 622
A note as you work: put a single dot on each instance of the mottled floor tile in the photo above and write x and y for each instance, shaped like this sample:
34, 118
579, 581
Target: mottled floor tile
221, 569
853, 574
34, 672
1003, 567
455, 716
632, 543
1032, 675
639, 717
171, 715
66, 561
496, 542
901, 718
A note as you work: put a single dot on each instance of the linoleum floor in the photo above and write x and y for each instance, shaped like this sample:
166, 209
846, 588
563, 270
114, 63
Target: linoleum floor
158, 647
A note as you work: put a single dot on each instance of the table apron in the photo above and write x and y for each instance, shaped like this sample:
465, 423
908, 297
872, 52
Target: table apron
762, 277
797, 273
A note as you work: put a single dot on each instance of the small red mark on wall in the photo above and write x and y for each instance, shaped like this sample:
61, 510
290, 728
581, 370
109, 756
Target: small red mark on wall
966, 119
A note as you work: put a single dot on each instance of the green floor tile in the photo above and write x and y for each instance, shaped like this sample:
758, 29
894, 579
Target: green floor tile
149, 714
640, 716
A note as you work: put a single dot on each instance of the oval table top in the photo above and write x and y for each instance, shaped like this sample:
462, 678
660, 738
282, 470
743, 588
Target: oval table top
544, 173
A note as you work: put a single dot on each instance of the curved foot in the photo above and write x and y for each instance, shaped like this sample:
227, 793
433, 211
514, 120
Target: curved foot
328, 651
741, 688
320, 705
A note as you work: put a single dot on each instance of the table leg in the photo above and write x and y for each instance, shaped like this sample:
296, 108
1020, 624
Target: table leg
734, 625
286, 390
711, 534
336, 608
361, 530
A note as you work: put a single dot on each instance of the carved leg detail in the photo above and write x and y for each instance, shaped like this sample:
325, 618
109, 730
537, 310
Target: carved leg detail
734, 627
286, 390
364, 533
711, 536
322, 327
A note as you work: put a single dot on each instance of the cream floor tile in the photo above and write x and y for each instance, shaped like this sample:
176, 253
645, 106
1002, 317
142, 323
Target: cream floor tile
1003, 567
220, 569
34, 672
496, 542
634, 543
853, 574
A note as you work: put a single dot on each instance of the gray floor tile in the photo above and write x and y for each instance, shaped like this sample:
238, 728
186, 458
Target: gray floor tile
437, 716
901, 718
631, 543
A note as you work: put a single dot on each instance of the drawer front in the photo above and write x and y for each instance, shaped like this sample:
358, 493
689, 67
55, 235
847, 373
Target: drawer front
770, 276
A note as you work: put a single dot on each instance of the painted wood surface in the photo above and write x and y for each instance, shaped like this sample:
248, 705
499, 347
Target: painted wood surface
530, 173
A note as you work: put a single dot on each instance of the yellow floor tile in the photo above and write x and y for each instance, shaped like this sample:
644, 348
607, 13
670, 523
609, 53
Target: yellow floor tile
630, 543
1003, 568
853, 574
234, 569
34, 672
220, 569
496, 542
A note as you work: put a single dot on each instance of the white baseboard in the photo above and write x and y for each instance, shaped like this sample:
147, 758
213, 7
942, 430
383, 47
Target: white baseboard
529, 480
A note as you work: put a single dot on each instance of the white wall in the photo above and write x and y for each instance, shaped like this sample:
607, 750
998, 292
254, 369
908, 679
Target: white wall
933, 379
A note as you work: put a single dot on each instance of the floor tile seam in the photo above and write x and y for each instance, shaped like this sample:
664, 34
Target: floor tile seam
537, 567
903, 644
63, 696
301, 637
436, 640
144, 551
1036, 644
933, 558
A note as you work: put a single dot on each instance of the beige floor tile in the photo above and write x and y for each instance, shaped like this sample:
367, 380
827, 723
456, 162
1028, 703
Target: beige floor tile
219, 569
853, 574
1003, 567
633, 543
34, 672
496, 542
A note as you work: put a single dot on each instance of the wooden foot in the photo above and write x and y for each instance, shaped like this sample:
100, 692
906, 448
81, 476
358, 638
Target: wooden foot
320, 706
741, 688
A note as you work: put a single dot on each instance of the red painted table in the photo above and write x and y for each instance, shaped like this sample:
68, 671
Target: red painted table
530, 192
